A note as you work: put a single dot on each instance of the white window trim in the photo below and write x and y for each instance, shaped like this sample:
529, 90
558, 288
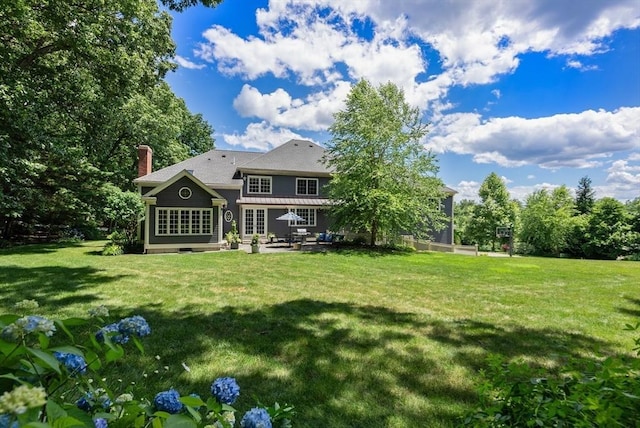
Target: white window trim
180, 209
260, 178
315, 217
244, 220
307, 180
188, 192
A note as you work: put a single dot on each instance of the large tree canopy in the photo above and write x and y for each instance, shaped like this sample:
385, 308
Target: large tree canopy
546, 220
385, 181
80, 86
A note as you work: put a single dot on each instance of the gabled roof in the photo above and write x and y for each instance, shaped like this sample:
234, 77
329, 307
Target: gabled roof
293, 157
178, 176
215, 167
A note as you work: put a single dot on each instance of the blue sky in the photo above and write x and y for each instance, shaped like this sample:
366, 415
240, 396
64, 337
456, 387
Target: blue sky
542, 92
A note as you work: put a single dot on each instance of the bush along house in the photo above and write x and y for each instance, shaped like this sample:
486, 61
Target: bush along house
192, 204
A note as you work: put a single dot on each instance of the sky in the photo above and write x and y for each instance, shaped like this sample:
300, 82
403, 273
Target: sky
541, 92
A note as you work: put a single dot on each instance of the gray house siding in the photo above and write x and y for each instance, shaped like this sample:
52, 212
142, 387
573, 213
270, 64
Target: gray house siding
170, 198
445, 236
231, 195
285, 186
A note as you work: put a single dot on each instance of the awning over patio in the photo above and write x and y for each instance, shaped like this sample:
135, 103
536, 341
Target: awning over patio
283, 202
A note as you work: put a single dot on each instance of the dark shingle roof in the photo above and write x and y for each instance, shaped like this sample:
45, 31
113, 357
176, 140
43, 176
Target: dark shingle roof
215, 167
294, 156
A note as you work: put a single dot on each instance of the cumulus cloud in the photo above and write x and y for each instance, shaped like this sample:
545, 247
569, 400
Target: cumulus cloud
580, 140
261, 136
185, 63
623, 179
314, 112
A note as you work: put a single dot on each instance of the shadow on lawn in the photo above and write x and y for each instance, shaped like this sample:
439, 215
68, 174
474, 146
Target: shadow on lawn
345, 365
52, 286
634, 310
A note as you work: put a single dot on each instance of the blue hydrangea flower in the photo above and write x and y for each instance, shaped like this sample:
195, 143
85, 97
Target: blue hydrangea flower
134, 325
29, 324
168, 401
225, 389
84, 404
74, 363
112, 328
100, 423
88, 401
5, 422
256, 418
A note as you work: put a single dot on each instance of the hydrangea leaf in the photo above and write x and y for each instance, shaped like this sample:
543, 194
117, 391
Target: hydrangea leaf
179, 421
48, 359
93, 360
7, 348
114, 353
138, 344
54, 411
43, 340
194, 413
64, 328
192, 401
68, 349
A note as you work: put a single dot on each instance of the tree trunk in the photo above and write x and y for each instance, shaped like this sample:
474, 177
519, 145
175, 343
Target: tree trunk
374, 231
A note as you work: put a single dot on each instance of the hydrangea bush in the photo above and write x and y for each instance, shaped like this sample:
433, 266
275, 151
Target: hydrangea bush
42, 385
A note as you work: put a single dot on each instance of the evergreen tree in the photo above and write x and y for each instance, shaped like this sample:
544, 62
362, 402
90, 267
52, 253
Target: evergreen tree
585, 196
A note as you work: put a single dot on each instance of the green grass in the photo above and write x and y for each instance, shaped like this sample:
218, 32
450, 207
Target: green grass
352, 339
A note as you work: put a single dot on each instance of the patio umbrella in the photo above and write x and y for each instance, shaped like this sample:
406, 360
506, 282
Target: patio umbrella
290, 216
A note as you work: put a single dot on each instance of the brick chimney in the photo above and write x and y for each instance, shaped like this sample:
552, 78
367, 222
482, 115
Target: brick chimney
145, 156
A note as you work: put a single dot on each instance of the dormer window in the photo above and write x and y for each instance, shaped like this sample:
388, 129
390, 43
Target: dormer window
258, 184
307, 186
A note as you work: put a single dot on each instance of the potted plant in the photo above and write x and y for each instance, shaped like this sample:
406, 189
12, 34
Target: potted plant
271, 237
233, 237
255, 243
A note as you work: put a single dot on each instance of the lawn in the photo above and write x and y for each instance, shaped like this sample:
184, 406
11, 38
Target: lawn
352, 339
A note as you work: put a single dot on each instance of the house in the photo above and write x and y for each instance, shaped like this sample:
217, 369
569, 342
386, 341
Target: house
191, 205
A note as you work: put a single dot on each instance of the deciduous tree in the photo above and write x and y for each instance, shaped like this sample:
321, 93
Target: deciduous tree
384, 181
70, 75
495, 209
545, 221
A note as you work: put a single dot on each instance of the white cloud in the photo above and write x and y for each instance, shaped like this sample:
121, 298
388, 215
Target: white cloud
316, 42
314, 113
185, 63
572, 63
467, 190
623, 180
261, 136
565, 140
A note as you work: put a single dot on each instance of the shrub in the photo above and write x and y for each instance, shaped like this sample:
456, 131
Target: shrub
112, 249
586, 393
52, 386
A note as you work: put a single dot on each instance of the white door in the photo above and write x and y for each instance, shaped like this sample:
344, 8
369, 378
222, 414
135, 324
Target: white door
255, 221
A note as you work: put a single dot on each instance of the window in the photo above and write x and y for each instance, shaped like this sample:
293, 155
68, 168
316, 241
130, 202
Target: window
184, 192
183, 221
258, 184
306, 186
308, 214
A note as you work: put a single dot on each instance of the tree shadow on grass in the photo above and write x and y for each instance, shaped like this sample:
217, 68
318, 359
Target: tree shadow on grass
634, 310
51, 286
342, 364
39, 248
